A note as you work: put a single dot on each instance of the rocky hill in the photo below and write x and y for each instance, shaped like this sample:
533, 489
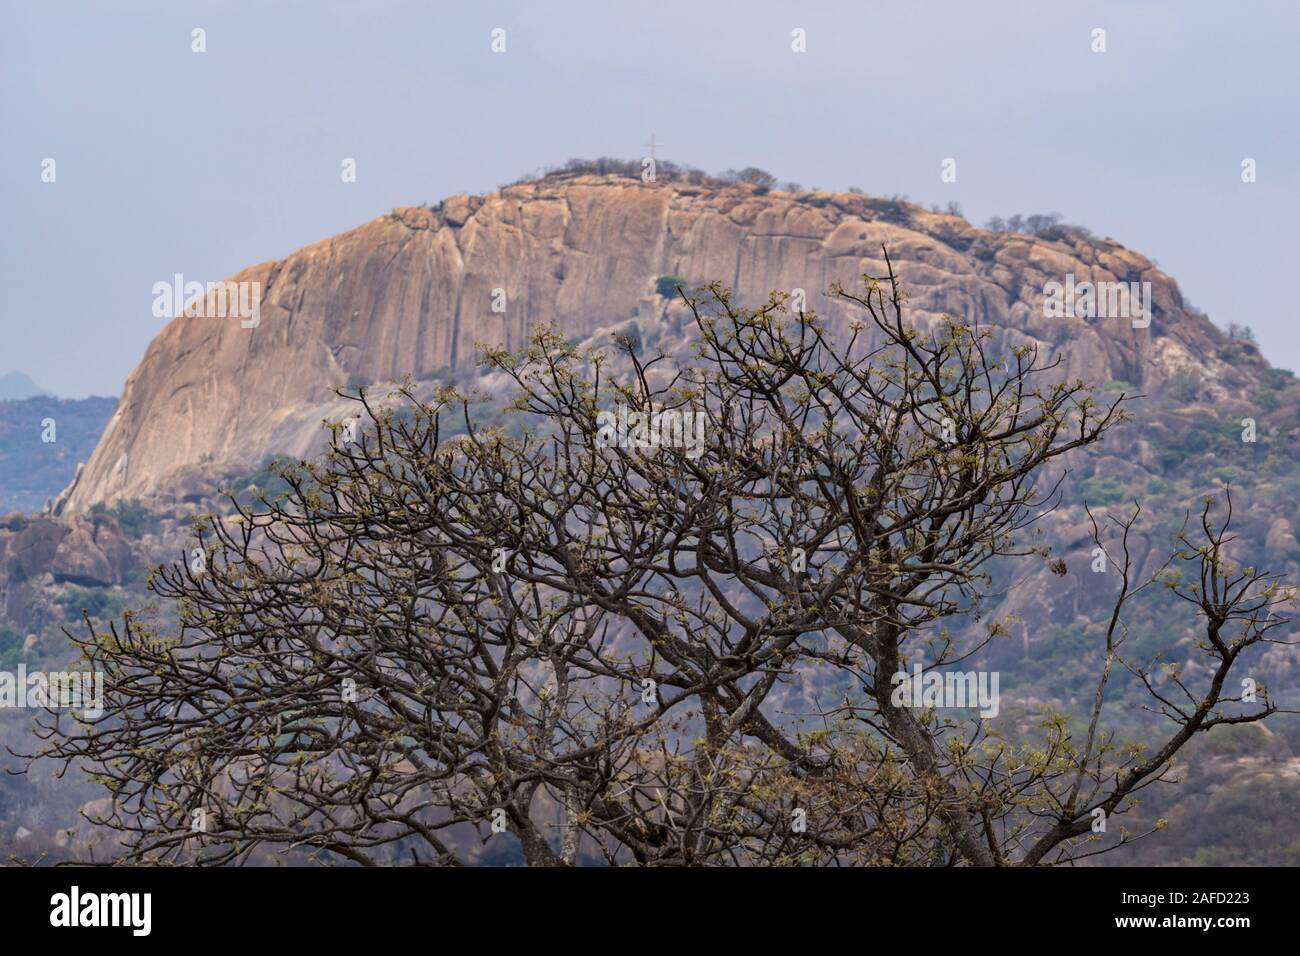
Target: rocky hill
414, 292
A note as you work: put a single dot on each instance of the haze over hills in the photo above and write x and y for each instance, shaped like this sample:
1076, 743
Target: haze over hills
33, 470
16, 386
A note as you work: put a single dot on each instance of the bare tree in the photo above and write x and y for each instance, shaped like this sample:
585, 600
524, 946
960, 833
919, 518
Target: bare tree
611, 626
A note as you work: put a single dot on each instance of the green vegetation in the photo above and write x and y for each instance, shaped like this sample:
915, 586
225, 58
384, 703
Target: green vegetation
11, 647
131, 516
1275, 384
97, 602
1103, 492
666, 286
264, 481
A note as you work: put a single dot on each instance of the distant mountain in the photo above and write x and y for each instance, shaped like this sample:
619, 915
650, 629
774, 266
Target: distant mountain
16, 386
32, 468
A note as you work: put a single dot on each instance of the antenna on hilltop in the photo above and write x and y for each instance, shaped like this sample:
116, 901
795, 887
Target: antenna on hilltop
652, 145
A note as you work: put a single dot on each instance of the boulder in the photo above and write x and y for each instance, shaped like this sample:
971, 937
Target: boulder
92, 553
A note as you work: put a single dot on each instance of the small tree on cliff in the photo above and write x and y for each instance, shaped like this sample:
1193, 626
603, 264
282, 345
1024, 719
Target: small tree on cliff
603, 631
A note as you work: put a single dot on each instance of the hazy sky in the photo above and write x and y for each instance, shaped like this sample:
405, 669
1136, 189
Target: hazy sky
171, 161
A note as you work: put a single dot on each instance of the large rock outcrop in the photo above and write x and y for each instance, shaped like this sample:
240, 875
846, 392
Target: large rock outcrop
412, 293
85, 550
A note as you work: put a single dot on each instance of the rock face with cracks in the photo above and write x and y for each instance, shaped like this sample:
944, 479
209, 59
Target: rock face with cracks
415, 292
